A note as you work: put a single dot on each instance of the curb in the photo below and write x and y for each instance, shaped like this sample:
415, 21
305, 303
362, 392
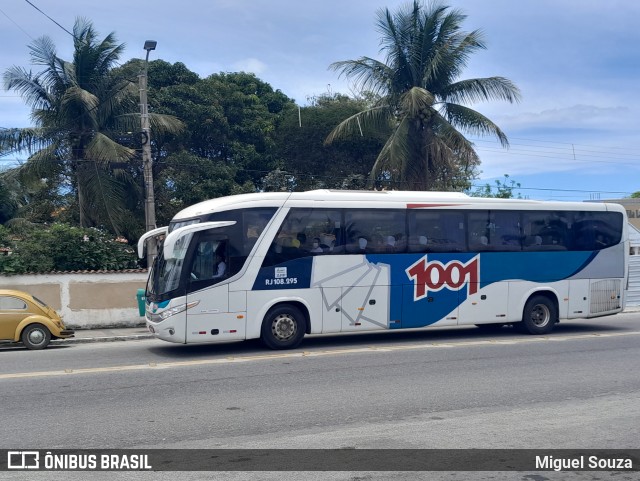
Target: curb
144, 336
83, 340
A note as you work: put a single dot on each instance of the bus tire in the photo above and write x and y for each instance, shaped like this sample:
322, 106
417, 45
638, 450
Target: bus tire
35, 336
283, 327
539, 316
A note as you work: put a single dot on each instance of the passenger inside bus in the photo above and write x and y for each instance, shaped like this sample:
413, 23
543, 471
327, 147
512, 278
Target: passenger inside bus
221, 266
316, 249
300, 241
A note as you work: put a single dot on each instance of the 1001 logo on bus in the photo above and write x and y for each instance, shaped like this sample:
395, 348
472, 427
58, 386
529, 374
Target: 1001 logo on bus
434, 276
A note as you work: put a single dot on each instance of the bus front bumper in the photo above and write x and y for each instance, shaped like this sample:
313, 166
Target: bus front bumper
166, 331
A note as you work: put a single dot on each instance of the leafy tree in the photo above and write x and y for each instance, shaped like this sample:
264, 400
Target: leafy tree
503, 189
80, 109
421, 99
163, 74
278, 181
303, 153
230, 118
188, 179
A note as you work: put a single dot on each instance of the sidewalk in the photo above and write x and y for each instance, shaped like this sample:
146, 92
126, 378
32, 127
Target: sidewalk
106, 335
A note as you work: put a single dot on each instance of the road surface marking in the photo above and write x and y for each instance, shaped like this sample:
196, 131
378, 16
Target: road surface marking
308, 354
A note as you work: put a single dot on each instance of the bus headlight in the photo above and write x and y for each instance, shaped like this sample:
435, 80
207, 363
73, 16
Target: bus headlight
172, 311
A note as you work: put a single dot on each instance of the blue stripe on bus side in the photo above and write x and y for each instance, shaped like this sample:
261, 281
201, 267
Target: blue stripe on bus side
543, 267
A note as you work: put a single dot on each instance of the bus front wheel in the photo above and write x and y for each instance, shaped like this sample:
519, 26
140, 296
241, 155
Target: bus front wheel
283, 327
539, 316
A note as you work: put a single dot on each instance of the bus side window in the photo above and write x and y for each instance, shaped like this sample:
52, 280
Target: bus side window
546, 231
203, 261
210, 263
254, 222
300, 229
507, 235
596, 230
372, 231
436, 231
479, 230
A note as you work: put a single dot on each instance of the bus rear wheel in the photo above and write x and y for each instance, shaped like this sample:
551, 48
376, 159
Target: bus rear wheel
283, 327
539, 316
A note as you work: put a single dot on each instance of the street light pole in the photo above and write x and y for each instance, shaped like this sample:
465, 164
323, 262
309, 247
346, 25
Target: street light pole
149, 202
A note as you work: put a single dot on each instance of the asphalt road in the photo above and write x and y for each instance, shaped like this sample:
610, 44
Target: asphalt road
440, 388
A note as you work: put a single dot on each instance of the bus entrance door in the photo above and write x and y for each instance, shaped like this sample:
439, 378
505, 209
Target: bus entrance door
210, 320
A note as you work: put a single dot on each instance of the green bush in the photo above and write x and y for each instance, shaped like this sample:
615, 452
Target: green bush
61, 247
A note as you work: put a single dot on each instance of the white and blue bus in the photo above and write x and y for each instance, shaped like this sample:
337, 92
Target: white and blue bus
278, 265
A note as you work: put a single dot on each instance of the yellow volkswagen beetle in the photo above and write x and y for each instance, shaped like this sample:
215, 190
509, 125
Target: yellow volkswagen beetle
24, 318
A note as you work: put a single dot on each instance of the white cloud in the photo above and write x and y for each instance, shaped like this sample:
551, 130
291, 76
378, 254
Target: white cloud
569, 117
252, 65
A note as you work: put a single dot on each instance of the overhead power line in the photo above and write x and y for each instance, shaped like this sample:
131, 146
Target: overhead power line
395, 183
38, 9
16, 24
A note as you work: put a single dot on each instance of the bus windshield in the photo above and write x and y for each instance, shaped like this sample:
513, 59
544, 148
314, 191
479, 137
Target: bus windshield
165, 273
222, 241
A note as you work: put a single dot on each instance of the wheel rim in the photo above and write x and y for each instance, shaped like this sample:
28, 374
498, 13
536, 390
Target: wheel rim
284, 327
540, 315
36, 337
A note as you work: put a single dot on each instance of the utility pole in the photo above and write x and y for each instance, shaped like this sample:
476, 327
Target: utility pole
149, 200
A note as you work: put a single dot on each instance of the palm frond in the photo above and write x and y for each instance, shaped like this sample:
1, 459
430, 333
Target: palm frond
395, 30
395, 154
42, 164
165, 124
473, 122
27, 85
43, 51
455, 141
76, 102
102, 195
28, 139
103, 149
375, 118
161, 124
368, 74
481, 89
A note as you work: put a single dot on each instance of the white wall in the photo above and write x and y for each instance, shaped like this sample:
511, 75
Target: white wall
86, 300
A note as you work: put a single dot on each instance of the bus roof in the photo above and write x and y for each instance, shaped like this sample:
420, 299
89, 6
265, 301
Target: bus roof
364, 198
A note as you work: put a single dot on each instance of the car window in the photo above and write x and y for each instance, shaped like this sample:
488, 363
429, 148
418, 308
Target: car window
38, 301
12, 303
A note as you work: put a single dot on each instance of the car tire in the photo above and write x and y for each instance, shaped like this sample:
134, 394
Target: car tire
35, 336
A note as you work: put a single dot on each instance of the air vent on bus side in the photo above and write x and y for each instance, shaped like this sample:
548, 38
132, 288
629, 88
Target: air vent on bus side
606, 295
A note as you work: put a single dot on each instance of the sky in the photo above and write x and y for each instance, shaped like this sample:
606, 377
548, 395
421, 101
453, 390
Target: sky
575, 134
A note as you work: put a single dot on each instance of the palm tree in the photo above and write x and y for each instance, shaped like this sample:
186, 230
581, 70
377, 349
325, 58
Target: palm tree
421, 99
79, 108
11, 195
